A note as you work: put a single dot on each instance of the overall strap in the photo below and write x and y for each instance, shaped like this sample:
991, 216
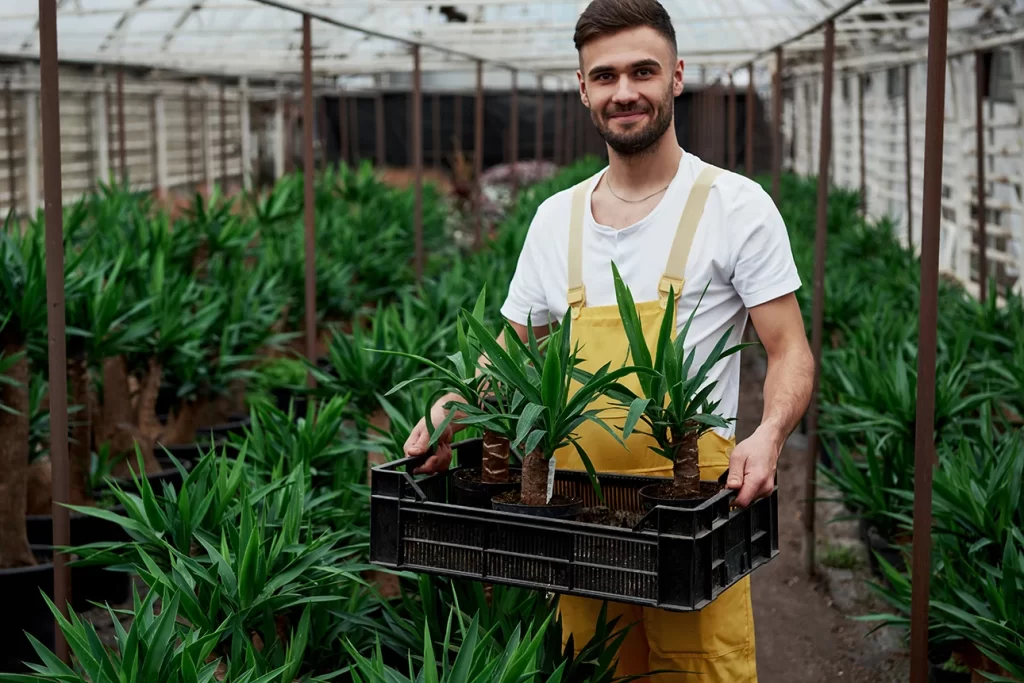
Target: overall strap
577, 293
675, 268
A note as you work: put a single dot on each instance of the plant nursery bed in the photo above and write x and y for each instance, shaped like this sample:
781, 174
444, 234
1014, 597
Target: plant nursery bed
672, 557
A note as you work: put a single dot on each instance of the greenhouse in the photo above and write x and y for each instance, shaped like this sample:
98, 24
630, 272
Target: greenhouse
316, 295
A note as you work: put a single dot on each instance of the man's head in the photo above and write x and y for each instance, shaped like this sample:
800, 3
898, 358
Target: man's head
630, 72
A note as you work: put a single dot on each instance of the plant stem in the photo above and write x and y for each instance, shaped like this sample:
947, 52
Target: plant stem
686, 467
494, 467
14, 547
534, 490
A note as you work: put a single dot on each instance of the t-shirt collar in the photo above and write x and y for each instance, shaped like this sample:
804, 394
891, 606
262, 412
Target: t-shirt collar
606, 230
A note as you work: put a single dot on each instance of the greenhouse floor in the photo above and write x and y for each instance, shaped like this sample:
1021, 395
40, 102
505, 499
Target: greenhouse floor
804, 629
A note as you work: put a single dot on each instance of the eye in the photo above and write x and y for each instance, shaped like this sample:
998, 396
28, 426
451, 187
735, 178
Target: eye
643, 73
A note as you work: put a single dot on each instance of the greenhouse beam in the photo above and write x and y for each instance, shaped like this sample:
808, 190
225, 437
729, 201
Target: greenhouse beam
924, 444
308, 196
980, 85
57, 343
417, 155
750, 121
777, 124
732, 123
818, 304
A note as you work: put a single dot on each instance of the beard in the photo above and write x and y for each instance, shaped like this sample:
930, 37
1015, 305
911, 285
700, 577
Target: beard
634, 142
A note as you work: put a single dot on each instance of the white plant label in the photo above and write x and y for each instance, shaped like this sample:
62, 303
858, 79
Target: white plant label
551, 478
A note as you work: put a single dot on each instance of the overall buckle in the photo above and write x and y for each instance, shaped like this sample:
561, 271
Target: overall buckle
576, 298
667, 283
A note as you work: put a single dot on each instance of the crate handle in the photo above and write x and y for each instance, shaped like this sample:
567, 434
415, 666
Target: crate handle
412, 461
420, 496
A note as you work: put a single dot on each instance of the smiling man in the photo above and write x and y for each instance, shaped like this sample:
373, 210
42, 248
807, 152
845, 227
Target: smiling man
666, 219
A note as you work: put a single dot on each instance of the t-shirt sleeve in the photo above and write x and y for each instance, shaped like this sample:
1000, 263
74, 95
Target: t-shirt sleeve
526, 302
763, 264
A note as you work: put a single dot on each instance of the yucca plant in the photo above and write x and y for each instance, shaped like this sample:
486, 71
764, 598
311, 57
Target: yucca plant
22, 326
674, 398
154, 648
481, 658
544, 412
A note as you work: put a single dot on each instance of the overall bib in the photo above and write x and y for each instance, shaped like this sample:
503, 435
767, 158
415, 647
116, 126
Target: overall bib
716, 644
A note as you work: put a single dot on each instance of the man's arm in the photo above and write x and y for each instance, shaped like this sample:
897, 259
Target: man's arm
787, 391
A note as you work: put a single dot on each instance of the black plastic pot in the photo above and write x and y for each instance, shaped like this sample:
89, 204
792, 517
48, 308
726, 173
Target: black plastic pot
221, 432
653, 495
468, 490
937, 656
559, 507
25, 611
286, 397
88, 583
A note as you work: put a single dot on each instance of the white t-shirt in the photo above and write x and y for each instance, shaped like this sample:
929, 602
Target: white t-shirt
741, 246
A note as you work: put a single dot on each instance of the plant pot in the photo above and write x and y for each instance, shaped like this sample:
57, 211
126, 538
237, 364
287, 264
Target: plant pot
653, 495
560, 507
222, 432
88, 583
286, 397
26, 611
468, 490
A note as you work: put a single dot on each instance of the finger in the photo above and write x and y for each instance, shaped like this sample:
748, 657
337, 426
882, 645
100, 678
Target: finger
753, 482
428, 467
417, 442
737, 465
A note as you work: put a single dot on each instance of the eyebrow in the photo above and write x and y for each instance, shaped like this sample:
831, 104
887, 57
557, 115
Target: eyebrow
600, 68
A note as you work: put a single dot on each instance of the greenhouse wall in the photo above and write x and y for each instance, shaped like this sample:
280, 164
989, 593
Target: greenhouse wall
885, 156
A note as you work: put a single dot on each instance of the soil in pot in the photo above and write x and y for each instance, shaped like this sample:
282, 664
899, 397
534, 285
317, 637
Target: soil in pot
560, 507
26, 611
663, 494
472, 492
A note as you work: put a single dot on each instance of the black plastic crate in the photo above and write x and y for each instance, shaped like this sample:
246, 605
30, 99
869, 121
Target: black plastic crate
675, 559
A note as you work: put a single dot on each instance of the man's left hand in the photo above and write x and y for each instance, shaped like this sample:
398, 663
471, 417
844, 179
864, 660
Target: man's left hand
752, 466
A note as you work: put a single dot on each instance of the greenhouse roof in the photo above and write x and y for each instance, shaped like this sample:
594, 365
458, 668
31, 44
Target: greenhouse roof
264, 37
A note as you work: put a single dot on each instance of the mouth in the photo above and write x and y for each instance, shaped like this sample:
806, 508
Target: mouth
627, 116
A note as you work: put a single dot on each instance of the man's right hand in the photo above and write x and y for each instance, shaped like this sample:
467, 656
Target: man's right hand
418, 442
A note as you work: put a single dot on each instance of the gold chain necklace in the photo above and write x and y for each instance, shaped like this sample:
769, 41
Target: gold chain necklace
635, 201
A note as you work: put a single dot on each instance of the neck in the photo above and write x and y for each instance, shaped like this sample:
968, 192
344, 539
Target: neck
650, 170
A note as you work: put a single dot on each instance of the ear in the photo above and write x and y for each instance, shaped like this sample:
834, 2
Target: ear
677, 78
583, 89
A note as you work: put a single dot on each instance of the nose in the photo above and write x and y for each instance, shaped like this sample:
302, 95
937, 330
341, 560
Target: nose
625, 93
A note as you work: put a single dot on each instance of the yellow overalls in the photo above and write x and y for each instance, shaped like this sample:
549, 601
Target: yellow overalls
718, 641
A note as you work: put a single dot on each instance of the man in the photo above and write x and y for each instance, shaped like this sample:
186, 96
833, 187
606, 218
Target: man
730, 238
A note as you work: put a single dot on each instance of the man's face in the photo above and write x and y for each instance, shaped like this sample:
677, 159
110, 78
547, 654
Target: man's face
629, 81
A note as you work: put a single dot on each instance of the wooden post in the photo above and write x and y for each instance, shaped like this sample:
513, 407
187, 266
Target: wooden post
513, 132
478, 153
55, 323
417, 155
862, 145
436, 120
309, 205
924, 451
381, 154
980, 86
818, 304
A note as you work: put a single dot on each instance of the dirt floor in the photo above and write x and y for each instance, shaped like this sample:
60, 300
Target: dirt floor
803, 626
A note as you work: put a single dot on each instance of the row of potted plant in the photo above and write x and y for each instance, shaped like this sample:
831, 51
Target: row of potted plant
257, 554
869, 402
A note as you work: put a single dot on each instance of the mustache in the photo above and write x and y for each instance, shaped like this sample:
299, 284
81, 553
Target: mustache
631, 109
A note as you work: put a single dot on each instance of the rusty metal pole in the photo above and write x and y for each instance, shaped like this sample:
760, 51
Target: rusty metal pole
538, 142
343, 128
732, 123
478, 153
907, 132
514, 133
457, 109
750, 121
378, 103
863, 154
777, 126
188, 135
12, 186
353, 124
54, 215
122, 150
435, 115
924, 451
223, 134
559, 126
818, 310
417, 158
310, 207
980, 86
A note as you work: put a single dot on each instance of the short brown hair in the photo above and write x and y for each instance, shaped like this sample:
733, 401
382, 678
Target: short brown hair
604, 17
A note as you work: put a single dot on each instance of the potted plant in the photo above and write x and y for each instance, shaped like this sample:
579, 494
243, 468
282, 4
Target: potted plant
544, 413
674, 398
